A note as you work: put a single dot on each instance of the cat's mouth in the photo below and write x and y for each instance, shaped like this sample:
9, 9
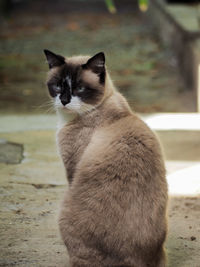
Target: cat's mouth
67, 109
64, 107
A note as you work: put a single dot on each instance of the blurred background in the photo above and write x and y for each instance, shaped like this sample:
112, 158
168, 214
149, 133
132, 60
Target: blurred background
152, 50
143, 68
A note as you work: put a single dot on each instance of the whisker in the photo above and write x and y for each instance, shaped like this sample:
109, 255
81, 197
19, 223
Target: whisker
50, 110
43, 105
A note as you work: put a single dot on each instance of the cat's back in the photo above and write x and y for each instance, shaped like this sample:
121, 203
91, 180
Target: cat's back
126, 149
121, 178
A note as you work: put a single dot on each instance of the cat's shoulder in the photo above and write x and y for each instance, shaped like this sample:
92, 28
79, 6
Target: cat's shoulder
132, 123
131, 129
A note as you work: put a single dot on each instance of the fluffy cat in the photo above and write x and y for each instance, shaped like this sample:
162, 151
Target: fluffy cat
114, 212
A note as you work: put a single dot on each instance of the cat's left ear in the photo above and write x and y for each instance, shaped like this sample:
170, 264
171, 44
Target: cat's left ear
53, 59
96, 63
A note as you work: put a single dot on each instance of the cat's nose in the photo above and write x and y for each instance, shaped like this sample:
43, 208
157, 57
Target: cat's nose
64, 102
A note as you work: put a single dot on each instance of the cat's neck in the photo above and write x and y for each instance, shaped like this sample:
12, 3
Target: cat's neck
111, 109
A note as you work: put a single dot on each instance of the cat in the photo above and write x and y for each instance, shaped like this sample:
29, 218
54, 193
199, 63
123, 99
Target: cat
114, 211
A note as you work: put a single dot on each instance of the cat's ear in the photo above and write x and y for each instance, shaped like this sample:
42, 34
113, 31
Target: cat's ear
96, 63
53, 59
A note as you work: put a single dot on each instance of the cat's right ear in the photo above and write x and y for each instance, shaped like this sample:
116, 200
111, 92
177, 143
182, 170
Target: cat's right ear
96, 63
53, 59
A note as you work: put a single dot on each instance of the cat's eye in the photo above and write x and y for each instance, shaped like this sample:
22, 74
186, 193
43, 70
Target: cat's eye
54, 89
57, 89
81, 89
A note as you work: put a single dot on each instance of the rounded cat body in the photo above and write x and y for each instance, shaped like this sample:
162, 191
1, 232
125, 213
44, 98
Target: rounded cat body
114, 211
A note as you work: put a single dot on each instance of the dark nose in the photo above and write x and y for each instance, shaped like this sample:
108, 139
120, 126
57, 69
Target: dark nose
65, 97
64, 102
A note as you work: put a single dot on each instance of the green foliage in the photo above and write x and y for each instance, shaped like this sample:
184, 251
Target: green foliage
143, 5
111, 6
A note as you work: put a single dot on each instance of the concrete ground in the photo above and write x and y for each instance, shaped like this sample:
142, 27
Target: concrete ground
31, 192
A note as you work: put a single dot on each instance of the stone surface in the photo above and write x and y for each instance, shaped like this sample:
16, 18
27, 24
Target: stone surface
11, 153
187, 16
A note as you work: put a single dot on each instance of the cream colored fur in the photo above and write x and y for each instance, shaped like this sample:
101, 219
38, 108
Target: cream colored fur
114, 212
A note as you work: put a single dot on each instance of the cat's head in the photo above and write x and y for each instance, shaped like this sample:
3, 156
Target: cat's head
76, 84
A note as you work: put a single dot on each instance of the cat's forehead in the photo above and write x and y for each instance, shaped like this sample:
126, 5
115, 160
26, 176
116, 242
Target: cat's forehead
77, 60
72, 70
66, 71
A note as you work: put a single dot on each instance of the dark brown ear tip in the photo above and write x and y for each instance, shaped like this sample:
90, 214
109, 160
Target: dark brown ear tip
102, 55
46, 51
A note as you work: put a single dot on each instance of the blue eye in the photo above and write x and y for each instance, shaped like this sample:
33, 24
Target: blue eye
57, 89
54, 89
81, 89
